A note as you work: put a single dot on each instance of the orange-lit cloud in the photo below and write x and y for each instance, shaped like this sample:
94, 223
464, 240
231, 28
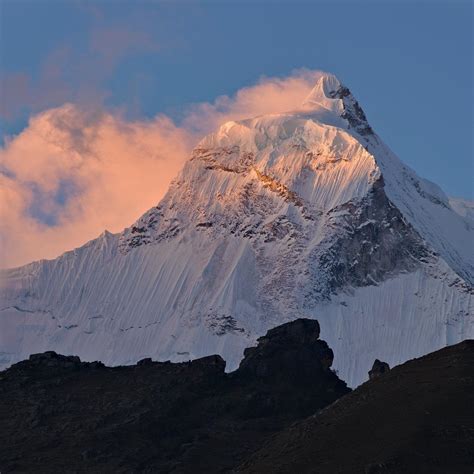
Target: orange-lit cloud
108, 170
74, 172
269, 95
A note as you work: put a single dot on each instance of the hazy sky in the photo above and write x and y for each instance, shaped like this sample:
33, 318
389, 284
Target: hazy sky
144, 63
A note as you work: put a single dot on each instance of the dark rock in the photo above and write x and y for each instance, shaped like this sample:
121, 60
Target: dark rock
353, 112
379, 368
48, 355
290, 351
204, 224
96, 365
52, 359
213, 361
375, 243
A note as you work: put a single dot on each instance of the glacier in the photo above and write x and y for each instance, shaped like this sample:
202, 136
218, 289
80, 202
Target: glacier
301, 214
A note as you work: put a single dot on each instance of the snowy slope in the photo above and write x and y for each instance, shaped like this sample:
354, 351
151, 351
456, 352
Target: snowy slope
276, 217
463, 207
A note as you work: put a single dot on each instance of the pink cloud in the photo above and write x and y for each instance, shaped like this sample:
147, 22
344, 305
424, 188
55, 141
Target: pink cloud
269, 95
115, 169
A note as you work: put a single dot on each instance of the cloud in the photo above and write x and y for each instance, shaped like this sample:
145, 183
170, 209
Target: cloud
72, 173
76, 171
269, 95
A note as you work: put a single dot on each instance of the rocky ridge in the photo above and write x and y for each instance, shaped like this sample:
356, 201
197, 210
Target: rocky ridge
58, 414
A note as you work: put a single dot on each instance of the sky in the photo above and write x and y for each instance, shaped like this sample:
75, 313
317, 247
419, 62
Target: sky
101, 101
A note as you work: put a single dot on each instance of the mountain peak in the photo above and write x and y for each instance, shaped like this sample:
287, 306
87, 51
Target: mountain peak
325, 94
282, 216
330, 94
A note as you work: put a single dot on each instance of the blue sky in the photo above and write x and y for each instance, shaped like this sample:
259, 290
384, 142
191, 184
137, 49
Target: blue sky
410, 64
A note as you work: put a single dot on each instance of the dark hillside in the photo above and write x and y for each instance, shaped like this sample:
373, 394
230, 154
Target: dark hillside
416, 418
58, 414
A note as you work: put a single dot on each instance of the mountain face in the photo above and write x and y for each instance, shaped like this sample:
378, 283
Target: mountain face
278, 217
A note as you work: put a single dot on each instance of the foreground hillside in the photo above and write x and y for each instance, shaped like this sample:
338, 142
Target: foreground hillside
58, 414
418, 418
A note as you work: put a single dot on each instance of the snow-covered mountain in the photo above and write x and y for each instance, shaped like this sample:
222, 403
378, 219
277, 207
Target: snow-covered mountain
302, 214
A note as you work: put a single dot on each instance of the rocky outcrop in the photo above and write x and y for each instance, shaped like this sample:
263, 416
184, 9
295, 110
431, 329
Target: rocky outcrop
353, 112
374, 243
379, 368
303, 358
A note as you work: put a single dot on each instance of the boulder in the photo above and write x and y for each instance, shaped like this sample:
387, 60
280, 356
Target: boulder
379, 368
